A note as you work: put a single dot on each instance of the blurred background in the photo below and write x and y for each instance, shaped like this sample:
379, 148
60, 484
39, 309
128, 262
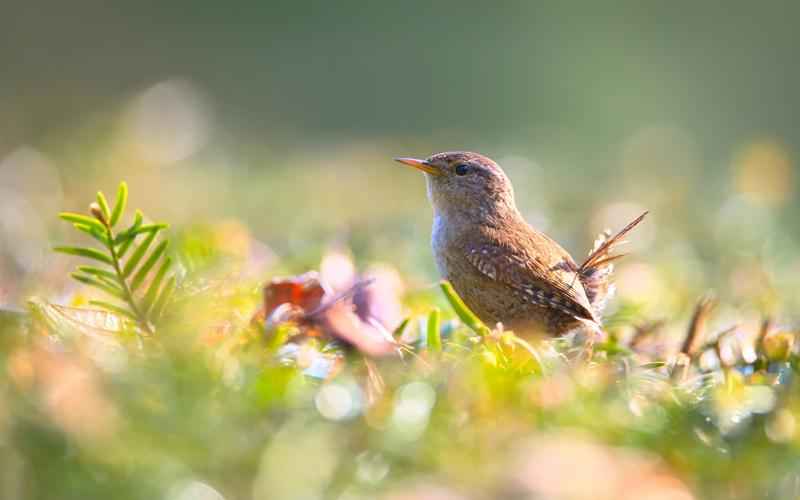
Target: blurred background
264, 132
275, 122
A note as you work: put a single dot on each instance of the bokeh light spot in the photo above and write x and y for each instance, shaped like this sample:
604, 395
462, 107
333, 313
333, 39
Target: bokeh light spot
763, 173
169, 122
193, 490
336, 402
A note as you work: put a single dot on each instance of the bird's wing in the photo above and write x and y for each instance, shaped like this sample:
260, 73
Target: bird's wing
548, 279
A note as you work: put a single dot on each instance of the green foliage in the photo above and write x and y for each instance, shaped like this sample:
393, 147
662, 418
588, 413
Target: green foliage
295, 414
461, 309
120, 277
434, 331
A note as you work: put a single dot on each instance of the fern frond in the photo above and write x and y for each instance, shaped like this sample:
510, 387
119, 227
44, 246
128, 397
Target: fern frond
155, 285
98, 283
145, 268
94, 271
89, 253
98, 234
123, 280
163, 298
103, 204
119, 205
114, 309
137, 255
83, 220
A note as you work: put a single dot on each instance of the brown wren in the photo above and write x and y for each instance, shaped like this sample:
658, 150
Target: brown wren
505, 270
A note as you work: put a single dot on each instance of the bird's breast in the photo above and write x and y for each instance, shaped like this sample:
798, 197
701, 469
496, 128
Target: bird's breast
439, 243
447, 237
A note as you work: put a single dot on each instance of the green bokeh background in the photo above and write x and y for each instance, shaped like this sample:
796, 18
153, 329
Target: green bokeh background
589, 105
264, 132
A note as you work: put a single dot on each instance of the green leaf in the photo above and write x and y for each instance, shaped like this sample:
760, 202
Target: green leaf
126, 238
138, 218
152, 291
119, 205
90, 253
84, 220
434, 331
163, 298
136, 229
68, 321
138, 254
99, 235
141, 274
114, 309
124, 248
151, 227
461, 309
398, 332
101, 200
94, 271
100, 284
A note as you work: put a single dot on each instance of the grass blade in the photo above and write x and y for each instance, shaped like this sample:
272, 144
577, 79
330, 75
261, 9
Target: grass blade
461, 309
141, 274
434, 331
89, 253
138, 254
401, 328
119, 205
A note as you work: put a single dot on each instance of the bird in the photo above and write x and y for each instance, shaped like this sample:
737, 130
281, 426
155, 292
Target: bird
506, 271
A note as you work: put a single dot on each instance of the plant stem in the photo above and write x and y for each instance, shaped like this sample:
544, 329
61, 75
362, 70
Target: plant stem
143, 321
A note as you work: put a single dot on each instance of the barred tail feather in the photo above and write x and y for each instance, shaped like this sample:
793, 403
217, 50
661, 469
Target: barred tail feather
595, 272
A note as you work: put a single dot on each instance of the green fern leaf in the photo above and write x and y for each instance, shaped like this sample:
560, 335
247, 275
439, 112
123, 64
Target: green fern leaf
90, 253
101, 200
163, 298
126, 275
151, 227
84, 220
127, 237
114, 308
152, 291
94, 271
119, 205
138, 254
103, 285
93, 232
141, 274
64, 320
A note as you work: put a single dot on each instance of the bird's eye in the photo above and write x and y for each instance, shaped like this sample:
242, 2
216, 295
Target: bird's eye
462, 169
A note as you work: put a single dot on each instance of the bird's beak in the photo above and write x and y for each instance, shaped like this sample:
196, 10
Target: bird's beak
423, 165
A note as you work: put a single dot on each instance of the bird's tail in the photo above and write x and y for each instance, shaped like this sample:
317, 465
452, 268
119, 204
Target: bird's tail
595, 272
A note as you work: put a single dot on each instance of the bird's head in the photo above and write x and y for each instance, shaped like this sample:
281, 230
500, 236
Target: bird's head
465, 182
